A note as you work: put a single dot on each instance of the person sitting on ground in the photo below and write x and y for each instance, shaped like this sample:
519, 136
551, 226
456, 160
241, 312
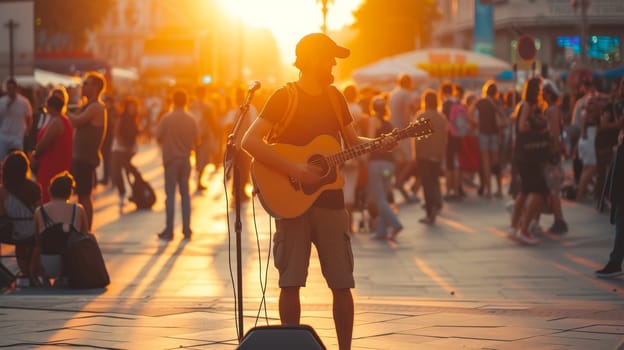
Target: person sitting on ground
19, 196
58, 210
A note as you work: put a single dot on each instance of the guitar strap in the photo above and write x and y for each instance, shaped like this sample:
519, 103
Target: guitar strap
333, 100
291, 107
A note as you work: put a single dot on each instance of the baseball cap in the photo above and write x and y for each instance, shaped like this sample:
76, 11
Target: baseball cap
319, 44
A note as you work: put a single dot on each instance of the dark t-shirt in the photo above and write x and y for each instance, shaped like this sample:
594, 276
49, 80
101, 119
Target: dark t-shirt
487, 116
314, 116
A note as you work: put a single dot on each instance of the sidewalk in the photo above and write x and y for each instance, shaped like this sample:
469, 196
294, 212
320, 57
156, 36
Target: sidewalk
461, 284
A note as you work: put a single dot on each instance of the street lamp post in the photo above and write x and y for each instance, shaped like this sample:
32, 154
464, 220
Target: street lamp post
11, 25
324, 10
583, 5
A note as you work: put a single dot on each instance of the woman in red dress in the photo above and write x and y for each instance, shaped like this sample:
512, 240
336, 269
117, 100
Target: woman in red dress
53, 152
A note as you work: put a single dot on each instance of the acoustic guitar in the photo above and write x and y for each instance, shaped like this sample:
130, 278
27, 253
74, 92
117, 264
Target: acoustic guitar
285, 197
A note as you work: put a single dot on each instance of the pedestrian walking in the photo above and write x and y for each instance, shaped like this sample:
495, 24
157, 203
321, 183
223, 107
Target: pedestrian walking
431, 152
177, 135
15, 119
124, 147
381, 172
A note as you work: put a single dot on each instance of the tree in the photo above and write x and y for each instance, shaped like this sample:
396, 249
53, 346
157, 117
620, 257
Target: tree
69, 19
389, 27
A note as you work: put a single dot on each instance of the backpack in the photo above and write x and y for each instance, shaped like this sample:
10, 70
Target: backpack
291, 107
53, 238
143, 195
83, 263
458, 120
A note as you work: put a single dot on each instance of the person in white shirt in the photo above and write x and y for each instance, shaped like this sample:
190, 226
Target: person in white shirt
15, 119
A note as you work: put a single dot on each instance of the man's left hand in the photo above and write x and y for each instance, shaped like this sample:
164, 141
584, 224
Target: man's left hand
389, 141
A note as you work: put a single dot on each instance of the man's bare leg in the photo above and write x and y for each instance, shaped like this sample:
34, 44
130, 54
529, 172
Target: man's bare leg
343, 317
289, 306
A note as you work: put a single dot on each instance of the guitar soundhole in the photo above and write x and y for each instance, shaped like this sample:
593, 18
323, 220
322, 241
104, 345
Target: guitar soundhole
329, 175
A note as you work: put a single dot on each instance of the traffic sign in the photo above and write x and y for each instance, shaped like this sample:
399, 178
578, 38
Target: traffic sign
526, 48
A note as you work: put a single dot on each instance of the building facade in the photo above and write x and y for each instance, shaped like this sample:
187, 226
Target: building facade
555, 26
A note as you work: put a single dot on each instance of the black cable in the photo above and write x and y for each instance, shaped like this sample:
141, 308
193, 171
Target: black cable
263, 286
227, 215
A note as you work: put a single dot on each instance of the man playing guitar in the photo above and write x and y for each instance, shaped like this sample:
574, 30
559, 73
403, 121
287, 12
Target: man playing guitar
321, 110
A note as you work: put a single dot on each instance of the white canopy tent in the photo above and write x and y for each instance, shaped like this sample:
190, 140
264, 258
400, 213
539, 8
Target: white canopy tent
383, 74
42, 77
436, 63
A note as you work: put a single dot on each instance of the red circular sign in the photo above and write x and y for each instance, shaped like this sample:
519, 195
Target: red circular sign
526, 48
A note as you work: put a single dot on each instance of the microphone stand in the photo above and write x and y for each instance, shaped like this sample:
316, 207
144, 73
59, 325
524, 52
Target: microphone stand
231, 168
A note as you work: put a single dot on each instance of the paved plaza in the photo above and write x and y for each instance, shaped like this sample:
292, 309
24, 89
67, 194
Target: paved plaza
460, 284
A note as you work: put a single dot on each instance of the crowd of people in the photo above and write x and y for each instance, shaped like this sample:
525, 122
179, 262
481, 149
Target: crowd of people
481, 140
93, 143
487, 142
522, 140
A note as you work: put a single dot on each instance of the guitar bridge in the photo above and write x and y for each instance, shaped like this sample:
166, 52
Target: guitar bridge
294, 183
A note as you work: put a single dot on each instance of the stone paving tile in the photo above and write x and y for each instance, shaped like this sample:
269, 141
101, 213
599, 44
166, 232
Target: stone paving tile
167, 295
463, 344
563, 341
499, 333
398, 341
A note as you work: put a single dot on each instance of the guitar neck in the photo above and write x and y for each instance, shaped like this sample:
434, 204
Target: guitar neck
364, 148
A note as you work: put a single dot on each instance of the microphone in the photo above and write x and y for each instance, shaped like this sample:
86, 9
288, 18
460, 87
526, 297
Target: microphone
255, 85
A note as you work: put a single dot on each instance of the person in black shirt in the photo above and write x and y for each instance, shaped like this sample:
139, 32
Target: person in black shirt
321, 110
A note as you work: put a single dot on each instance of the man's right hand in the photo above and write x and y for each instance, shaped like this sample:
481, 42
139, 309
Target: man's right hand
306, 173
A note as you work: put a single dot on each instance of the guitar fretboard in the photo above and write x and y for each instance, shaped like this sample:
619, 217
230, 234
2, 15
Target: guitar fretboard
418, 129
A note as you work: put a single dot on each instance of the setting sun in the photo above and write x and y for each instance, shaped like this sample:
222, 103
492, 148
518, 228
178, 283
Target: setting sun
289, 20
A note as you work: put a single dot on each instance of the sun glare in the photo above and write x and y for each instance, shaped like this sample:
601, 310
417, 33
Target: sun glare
289, 20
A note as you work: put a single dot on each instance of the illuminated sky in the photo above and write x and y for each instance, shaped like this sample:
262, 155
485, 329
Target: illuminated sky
289, 20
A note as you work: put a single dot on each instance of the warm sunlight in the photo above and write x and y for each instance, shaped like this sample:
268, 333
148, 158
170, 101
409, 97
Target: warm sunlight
291, 19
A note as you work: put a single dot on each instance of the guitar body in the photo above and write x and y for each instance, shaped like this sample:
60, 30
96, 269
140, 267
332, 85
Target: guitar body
284, 198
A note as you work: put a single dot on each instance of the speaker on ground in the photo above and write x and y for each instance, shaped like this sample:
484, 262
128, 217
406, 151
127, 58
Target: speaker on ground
301, 337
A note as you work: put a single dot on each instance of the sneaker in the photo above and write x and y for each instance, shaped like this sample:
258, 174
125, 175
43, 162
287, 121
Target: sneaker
526, 237
187, 235
535, 228
610, 270
509, 207
427, 220
377, 237
559, 227
395, 232
165, 236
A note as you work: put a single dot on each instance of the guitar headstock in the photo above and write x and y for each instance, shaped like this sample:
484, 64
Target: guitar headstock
419, 129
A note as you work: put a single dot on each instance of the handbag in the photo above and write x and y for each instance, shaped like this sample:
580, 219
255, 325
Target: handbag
534, 146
